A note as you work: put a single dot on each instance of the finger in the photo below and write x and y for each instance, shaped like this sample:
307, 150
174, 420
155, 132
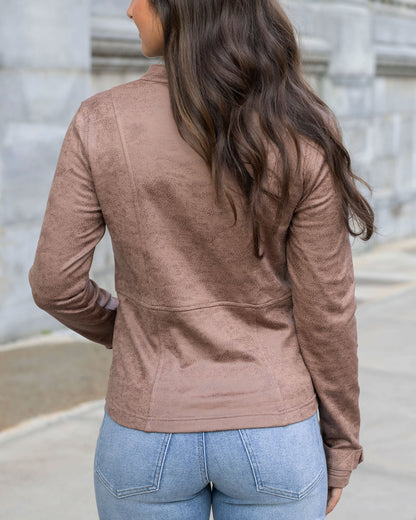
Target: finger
334, 495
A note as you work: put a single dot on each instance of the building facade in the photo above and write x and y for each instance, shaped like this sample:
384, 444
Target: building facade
360, 57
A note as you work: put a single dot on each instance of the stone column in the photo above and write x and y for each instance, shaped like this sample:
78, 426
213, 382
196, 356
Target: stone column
348, 84
44, 75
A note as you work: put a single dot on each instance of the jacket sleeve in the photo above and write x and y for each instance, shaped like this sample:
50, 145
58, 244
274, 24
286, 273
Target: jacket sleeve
72, 226
320, 267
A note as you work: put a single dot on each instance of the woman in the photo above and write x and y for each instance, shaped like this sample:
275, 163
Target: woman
227, 193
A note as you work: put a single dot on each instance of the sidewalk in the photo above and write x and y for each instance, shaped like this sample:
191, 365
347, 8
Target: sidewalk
47, 464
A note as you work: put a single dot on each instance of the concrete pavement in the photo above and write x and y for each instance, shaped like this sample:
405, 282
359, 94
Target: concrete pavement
47, 463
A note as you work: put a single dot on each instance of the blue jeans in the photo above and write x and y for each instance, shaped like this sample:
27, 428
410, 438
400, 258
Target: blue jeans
257, 473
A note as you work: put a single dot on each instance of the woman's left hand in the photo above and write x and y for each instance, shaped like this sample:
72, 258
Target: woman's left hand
334, 494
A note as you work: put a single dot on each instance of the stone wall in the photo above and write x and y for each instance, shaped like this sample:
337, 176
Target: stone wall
370, 84
45, 64
360, 56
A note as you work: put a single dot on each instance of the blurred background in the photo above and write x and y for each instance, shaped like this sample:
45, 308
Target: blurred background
360, 57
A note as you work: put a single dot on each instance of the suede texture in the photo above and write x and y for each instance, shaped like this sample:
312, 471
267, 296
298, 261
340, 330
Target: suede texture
204, 336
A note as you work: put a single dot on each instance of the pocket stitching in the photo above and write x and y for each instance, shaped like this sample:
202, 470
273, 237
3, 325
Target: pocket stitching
291, 494
125, 492
251, 457
275, 491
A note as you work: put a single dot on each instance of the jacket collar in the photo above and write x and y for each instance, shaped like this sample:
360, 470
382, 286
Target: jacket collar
156, 72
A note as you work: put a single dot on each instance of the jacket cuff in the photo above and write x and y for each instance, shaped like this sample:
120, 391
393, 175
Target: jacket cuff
338, 478
340, 463
343, 458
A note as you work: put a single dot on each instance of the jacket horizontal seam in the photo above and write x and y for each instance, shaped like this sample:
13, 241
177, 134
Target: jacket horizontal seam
152, 418
205, 306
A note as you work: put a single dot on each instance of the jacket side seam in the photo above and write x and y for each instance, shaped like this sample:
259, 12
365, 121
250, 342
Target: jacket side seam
137, 213
267, 366
158, 372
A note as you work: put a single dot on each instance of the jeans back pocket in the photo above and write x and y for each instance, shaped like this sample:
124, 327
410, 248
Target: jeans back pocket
287, 461
128, 461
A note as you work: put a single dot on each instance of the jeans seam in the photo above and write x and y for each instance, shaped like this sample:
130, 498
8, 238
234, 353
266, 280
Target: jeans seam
202, 457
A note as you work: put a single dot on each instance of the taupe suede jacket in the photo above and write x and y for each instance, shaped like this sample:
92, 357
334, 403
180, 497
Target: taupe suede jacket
204, 335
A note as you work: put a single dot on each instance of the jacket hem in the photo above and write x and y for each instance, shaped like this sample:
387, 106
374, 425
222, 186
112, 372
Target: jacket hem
199, 424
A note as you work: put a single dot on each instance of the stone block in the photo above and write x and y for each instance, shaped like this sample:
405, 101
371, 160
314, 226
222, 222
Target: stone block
394, 29
30, 153
403, 177
18, 310
104, 80
407, 132
405, 218
303, 16
384, 218
383, 172
108, 7
348, 98
44, 35
386, 135
358, 139
41, 95
394, 95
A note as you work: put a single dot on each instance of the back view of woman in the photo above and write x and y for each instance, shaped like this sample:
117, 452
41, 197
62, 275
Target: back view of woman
227, 192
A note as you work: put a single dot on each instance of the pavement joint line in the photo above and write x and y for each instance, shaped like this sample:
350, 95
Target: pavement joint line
392, 293
41, 421
408, 247
385, 292
386, 470
371, 369
407, 244
366, 277
59, 337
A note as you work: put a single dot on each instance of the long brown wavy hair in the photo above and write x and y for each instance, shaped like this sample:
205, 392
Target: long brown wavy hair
226, 58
